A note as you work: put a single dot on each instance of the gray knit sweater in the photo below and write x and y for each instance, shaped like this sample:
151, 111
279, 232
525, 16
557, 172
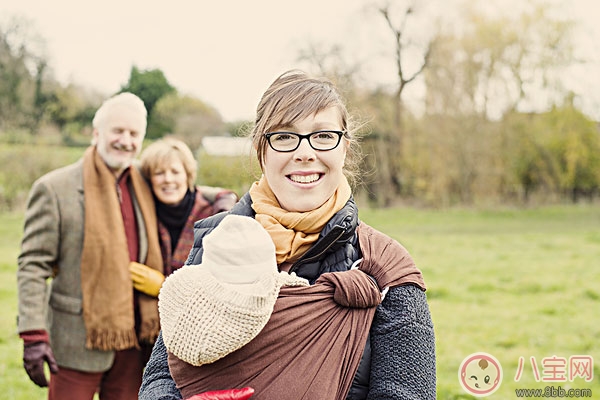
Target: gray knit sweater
398, 363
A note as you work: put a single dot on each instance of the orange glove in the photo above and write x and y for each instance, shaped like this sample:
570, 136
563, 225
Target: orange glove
229, 394
145, 279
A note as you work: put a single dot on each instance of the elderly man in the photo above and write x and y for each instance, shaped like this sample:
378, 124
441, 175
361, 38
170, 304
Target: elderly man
84, 224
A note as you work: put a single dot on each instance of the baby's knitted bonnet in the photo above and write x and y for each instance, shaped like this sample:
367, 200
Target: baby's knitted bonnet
210, 310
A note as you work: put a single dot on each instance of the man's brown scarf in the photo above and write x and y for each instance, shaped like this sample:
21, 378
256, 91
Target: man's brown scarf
106, 285
312, 345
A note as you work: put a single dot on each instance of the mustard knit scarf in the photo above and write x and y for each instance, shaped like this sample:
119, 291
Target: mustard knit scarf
294, 232
105, 281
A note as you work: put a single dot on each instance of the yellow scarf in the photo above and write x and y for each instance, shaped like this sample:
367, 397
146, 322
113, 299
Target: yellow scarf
294, 232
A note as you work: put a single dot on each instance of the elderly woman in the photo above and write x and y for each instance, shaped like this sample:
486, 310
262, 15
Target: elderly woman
307, 149
170, 168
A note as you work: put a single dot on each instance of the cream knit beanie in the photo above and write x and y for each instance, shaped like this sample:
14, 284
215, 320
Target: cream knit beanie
210, 310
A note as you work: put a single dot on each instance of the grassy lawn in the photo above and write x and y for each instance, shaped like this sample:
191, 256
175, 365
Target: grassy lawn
14, 383
511, 283
521, 283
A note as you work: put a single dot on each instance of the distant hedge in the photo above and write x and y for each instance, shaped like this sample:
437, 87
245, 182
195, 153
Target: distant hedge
23, 164
235, 173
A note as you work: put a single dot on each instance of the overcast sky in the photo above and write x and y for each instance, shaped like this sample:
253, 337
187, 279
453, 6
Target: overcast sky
223, 52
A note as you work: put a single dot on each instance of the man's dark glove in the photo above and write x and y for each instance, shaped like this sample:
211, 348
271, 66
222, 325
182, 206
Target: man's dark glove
34, 356
230, 394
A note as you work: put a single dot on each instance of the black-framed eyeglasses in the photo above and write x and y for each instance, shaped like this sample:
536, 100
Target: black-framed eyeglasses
284, 142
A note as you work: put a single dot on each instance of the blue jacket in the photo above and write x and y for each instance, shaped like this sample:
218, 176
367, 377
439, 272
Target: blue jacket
399, 359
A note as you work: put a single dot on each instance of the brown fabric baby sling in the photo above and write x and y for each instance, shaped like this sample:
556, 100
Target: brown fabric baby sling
313, 343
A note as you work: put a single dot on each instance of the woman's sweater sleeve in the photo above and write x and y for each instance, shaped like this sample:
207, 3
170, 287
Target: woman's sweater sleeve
157, 383
403, 347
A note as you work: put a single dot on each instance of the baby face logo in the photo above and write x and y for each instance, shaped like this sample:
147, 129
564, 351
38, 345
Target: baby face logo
480, 374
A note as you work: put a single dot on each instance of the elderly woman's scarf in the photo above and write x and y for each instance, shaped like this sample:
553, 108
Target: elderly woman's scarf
294, 232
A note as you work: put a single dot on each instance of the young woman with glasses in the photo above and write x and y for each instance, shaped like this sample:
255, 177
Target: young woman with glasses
304, 201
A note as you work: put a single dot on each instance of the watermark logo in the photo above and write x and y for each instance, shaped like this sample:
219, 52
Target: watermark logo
480, 374
559, 369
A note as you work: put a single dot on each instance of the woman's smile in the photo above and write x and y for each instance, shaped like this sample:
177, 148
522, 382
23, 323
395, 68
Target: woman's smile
304, 179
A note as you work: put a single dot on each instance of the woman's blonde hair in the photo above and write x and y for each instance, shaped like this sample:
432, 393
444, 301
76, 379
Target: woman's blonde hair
164, 151
293, 96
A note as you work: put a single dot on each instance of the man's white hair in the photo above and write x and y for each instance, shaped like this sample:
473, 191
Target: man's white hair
126, 99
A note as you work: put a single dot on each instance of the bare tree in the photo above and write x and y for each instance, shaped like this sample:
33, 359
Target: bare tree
384, 147
390, 144
331, 61
401, 42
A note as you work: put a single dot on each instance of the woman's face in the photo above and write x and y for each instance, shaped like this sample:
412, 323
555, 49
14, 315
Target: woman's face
169, 182
304, 179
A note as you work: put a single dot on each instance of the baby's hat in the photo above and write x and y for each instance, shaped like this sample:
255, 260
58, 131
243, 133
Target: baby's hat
210, 310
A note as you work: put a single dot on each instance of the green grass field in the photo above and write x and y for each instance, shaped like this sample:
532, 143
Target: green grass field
511, 283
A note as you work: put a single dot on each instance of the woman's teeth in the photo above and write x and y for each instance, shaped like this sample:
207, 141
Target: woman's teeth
305, 178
